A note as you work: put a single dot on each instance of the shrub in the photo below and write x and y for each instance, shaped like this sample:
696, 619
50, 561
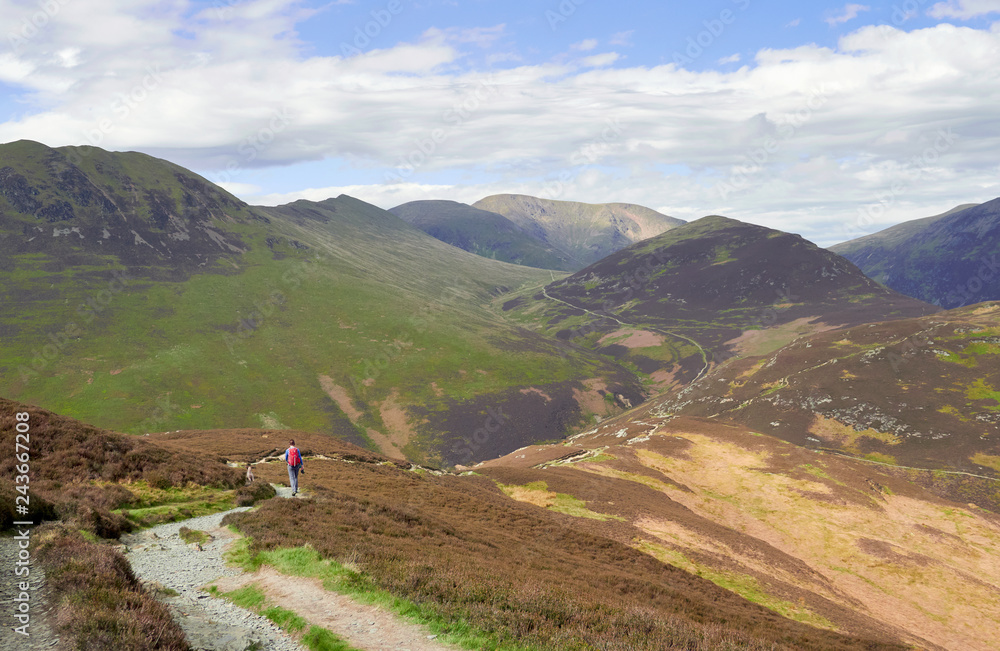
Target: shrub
74, 467
255, 492
98, 601
39, 508
157, 479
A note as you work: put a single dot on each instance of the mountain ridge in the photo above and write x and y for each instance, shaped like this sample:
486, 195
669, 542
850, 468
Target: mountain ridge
585, 232
949, 259
481, 232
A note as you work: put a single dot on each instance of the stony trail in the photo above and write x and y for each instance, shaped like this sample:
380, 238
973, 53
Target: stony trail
159, 556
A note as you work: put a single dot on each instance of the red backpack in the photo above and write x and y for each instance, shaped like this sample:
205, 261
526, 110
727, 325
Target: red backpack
294, 458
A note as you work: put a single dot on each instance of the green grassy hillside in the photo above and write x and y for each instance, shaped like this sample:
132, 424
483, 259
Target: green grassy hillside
333, 316
483, 233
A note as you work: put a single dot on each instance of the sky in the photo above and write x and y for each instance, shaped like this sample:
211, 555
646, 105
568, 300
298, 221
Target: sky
825, 119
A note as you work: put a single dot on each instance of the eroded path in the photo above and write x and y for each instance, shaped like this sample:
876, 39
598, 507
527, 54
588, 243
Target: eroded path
159, 556
362, 626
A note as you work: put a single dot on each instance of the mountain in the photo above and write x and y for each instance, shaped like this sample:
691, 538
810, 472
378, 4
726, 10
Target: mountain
481, 232
676, 304
85, 207
584, 232
140, 297
950, 260
914, 392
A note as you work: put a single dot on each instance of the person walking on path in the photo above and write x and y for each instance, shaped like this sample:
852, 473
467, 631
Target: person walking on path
294, 460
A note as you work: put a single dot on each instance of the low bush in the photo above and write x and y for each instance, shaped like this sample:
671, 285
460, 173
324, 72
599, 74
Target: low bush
254, 492
98, 602
75, 469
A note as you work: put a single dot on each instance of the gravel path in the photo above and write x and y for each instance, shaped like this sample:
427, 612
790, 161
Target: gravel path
161, 559
159, 556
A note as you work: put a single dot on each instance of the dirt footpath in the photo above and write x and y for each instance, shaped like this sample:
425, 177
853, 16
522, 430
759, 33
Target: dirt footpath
362, 626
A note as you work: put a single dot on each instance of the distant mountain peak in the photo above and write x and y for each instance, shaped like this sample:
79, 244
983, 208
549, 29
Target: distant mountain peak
482, 232
584, 232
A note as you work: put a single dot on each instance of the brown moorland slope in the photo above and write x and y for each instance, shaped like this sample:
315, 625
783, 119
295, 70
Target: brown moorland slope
838, 542
456, 545
81, 473
922, 392
459, 546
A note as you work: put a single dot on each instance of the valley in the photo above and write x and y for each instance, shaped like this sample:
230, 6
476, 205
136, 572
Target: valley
700, 435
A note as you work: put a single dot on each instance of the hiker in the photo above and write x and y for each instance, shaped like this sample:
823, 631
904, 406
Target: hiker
294, 460
249, 474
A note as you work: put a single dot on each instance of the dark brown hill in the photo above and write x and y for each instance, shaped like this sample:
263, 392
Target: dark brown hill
704, 269
950, 260
703, 285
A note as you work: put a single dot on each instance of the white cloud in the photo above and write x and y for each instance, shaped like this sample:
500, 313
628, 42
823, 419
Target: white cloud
732, 58
794, 23
964, 9
849, 12
812, 134
384, 196
584, 46
600, 60
622, 39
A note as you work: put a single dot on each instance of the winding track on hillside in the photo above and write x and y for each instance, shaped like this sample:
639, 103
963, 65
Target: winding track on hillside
704, 355
159, 556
